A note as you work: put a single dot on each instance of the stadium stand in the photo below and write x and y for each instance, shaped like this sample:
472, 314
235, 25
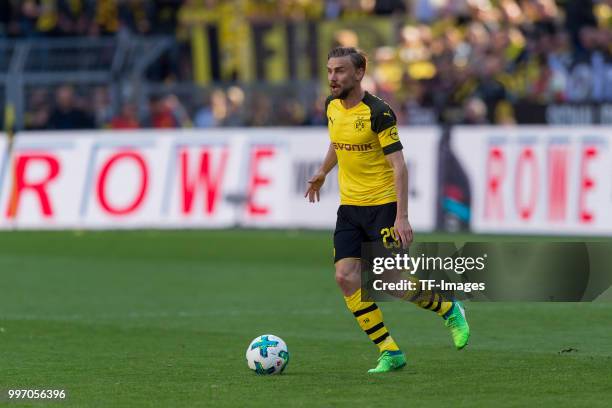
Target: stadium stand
198, 63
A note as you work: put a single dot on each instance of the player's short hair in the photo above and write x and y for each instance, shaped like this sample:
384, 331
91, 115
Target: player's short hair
358, 57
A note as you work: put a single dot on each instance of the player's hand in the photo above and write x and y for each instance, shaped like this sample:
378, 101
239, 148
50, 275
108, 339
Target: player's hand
314, 185
403, 231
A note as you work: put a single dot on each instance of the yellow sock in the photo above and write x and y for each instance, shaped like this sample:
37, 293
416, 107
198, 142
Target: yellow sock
427, 299
370, 320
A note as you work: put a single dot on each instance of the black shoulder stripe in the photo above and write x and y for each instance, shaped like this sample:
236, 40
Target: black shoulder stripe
382, 116
393, 147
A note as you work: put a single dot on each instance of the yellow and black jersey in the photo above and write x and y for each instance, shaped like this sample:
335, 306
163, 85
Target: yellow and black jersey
362, 136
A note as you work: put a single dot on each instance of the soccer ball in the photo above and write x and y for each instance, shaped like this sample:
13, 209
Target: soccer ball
267, 354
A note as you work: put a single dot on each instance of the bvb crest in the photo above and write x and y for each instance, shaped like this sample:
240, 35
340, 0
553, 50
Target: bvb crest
360, 124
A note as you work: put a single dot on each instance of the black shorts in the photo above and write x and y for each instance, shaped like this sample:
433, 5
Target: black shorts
358, 224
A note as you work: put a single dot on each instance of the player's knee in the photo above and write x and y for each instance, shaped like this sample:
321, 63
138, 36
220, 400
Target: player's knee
341, 278
346, 275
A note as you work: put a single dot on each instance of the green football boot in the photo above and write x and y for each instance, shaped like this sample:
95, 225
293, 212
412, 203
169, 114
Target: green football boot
389, 361
459, 328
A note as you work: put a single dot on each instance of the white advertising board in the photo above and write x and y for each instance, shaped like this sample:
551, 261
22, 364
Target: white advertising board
538, 180
186, 179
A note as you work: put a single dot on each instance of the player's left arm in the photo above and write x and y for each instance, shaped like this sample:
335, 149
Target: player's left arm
385, 125
402, 227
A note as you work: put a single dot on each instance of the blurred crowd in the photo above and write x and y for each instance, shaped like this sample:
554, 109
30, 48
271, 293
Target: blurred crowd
30, 18
472, 60
462, 61
69, 107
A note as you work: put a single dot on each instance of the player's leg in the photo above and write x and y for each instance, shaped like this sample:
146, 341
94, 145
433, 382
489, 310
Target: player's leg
452, 311
368, 315
347, 248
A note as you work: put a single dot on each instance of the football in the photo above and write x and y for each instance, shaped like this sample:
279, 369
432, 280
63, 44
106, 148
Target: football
267, 354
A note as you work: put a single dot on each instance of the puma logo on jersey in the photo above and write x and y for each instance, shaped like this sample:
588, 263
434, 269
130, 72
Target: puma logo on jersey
388, 114
353, 147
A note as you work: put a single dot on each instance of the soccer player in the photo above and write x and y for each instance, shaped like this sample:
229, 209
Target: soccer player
373, 181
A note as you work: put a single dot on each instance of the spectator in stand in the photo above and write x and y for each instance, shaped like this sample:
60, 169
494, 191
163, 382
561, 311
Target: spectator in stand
105, 17
261, 110
475, 112
38, 110
76, 16
27, 16
291, 113
168, 112
100, 107
137, 15
416, 109
219, 106
333, 9
165, 16
66, 115
161, 114
579, 15
48, 16
317, 116
204, 116
127, 118
6, 17
235, 109
489, 88
178, 111
387, 7
425, 11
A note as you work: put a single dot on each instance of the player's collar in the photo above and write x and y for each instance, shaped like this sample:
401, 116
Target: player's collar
365, 93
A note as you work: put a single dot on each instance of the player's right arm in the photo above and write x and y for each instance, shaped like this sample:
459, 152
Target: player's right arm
316, 182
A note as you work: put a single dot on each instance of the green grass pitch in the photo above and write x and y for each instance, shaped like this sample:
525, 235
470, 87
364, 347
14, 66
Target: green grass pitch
163, 319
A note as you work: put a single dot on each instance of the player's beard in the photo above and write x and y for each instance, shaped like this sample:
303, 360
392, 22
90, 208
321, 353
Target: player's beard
344, 92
